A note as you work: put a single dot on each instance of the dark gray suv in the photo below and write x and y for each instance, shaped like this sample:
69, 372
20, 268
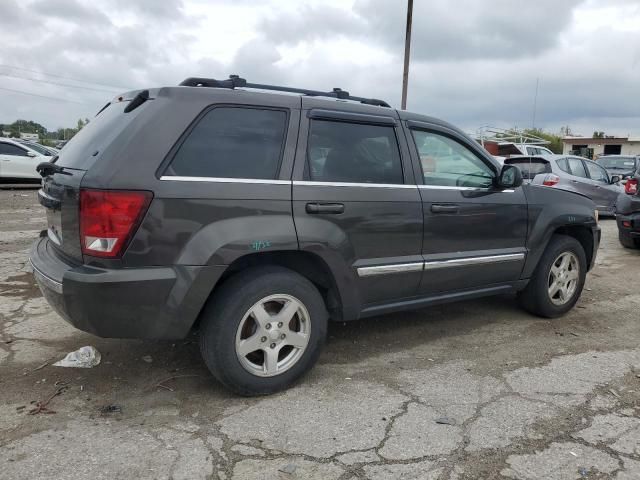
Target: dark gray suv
257, 216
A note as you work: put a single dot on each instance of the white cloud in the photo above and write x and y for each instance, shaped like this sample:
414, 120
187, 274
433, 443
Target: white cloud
473, 62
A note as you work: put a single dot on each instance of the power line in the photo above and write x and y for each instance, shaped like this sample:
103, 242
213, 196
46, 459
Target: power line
63, 77
68, 85
42, 96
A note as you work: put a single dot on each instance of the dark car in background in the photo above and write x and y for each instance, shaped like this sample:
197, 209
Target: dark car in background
622, 165
575, 174
628, 215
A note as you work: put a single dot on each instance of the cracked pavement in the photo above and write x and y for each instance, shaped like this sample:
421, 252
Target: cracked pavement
471, 390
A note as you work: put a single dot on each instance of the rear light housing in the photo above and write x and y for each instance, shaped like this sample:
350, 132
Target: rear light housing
631, 187
109, 218
550, 180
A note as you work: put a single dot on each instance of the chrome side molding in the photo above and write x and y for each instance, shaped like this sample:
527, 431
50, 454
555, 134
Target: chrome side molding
436, 264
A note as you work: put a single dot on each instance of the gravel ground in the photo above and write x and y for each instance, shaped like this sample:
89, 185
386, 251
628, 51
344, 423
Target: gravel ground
471, 390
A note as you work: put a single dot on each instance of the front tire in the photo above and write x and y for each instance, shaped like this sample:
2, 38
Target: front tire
262, 330
558, 280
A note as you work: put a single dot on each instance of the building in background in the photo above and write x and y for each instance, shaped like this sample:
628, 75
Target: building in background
32, 137
594, 147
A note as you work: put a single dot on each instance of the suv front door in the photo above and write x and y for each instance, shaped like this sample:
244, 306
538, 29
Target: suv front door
356, 204
474, 233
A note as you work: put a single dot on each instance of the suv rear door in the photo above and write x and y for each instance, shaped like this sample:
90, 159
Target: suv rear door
355, 202
474, 233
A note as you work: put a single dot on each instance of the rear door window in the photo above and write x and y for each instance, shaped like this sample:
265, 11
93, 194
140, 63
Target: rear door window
577, 168
353, 153
233, 142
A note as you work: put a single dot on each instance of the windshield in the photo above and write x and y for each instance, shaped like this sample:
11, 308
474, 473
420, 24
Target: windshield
38, 148
622, 163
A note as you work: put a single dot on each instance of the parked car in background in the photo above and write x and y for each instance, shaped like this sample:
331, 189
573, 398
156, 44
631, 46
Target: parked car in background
571, 173
18, 161
41, 149
622, 165
628, 212
258, 216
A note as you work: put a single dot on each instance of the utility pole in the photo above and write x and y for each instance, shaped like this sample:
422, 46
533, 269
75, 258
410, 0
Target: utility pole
535, 104
407, 54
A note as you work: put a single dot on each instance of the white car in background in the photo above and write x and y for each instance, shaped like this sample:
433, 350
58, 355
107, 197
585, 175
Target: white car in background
18, 161
41, 149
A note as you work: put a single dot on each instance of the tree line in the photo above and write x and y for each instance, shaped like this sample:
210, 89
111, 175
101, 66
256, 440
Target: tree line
46, 136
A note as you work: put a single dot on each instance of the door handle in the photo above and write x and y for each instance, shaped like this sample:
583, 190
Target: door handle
435, 208
333, 208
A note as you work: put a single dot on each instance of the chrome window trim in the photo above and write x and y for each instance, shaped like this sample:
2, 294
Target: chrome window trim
394, 268
350, 184
463, 262
177, 178
48, 281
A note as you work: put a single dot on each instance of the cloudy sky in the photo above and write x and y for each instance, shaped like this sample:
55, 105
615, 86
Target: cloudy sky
473, 62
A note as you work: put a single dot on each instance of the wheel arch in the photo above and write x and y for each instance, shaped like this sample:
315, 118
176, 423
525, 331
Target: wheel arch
307, 264
582, 233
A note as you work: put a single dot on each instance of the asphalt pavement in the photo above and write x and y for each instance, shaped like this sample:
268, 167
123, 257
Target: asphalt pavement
476, 389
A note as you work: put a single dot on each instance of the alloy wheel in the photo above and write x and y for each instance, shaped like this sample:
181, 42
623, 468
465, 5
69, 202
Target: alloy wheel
273, 335
563, 278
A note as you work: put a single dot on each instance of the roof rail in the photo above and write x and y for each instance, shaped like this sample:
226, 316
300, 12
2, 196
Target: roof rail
234, 81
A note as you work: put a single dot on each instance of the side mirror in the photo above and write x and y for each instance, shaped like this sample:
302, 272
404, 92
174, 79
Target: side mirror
31, 154
615, 179
510, 177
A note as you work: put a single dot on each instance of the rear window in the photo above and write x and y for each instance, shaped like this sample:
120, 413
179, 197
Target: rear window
79, 152
530, 167
622, 163
233, 142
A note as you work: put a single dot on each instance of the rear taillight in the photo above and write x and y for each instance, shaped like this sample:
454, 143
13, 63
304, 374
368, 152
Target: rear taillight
631, 187
550, 180
109, 218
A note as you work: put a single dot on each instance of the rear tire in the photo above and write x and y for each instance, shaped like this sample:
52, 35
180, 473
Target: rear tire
552, 293
262, 330
627, 241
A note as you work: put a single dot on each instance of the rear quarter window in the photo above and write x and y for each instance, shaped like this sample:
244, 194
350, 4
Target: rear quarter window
233, 142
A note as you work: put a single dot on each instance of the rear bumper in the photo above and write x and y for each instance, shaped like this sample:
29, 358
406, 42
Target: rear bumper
155, 303
629, 224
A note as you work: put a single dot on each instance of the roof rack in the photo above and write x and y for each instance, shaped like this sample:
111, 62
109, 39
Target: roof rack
234, 81
508, 135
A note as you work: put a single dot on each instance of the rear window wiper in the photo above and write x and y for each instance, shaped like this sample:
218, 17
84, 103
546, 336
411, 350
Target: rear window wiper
48, 168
